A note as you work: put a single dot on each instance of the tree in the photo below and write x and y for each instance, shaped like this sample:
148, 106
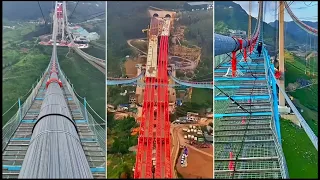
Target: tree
172, 117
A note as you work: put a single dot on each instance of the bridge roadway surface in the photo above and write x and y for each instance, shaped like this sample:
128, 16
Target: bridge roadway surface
14, 153
259, 157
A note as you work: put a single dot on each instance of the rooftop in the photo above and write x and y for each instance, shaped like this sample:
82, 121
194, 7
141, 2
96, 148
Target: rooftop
79, 29
200, 3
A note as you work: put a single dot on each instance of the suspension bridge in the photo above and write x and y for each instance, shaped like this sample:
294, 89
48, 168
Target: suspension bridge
247, 137
53, 134
98, 63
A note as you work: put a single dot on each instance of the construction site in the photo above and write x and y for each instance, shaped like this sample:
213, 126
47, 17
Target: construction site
199, 161
191, 144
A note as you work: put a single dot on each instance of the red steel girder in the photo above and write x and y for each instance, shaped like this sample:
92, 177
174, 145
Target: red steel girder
138, 165
150, 130
163, 159
159, 114
168, 169
145, 141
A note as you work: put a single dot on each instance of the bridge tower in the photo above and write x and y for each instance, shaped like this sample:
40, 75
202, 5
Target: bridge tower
249, 26
281, 52
60, 16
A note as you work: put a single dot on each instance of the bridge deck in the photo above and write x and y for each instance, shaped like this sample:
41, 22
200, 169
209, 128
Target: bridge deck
151, 65
14, 153
233, 127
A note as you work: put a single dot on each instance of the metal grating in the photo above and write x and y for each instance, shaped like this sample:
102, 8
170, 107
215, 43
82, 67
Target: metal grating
259, 157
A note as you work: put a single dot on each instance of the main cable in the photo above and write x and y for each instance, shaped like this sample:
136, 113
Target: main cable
73, 10
42, 13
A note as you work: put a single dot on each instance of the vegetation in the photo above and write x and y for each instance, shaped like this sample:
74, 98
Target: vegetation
295, 69
204, 71
234, 17
114, 97
118, 164
126, 22
301, 156
297, 146
120, 131
120, 159
189, 107
221, 28
20, 70
297, 32
199, 29
23, 11
86, 79
199, 32
134, 18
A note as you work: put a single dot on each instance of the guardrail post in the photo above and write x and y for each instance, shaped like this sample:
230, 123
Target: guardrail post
245, 54
234, 63
85, 109
20, 110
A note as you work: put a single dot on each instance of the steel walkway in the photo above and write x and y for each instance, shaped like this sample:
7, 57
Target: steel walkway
259, 157
13, 155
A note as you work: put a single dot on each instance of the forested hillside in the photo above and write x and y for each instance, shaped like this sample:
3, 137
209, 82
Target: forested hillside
292, 28
30, 10
125, 21
231, 15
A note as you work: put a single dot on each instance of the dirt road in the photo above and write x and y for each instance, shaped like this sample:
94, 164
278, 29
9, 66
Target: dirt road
200, 162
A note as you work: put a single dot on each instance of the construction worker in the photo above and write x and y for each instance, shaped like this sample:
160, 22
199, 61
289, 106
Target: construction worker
259, 48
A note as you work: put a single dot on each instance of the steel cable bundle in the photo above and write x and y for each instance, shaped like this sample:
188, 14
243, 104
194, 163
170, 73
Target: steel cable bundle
55, 149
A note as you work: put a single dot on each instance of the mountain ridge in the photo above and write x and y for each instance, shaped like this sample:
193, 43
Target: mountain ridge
292, 28
232, 16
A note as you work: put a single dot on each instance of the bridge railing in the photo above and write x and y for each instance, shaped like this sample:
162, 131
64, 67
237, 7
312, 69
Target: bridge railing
275, 118
27, 104
95, 127
224, 58
97, 44
10, 127
313, 138
98, 130
89, 57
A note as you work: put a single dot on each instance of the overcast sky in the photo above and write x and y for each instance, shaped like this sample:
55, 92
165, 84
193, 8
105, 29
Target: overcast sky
299, 8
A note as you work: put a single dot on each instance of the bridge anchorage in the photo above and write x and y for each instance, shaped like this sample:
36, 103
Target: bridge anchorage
53, 135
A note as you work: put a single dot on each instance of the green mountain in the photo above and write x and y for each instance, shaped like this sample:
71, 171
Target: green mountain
30, 10
229, 15
297, 32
